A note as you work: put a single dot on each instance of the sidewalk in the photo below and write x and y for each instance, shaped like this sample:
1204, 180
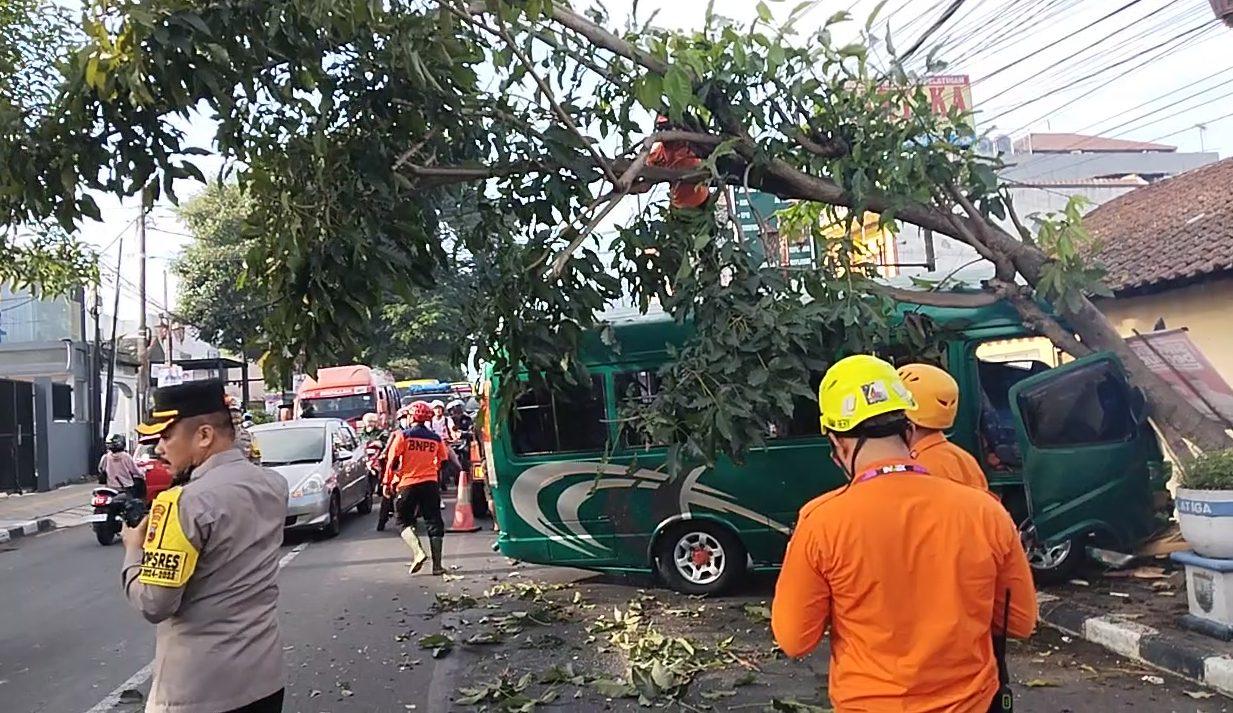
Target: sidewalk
1135, 613
29, 514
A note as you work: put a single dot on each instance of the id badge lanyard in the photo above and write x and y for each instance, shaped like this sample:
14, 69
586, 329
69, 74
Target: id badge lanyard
897, 468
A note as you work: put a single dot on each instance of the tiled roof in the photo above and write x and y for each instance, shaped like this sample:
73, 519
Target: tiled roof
1177, 228
1067, 143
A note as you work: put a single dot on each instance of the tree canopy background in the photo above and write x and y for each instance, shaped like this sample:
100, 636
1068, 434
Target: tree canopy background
219, 296
36, 253
353, 125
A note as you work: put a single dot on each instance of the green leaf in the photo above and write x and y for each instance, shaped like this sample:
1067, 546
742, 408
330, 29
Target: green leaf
764, 12
650, 91
679, 89
609, 688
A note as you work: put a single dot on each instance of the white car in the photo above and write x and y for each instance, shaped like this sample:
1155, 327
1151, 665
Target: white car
325, 470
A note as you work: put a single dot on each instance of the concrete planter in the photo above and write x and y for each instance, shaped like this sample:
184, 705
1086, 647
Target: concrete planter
1206, 521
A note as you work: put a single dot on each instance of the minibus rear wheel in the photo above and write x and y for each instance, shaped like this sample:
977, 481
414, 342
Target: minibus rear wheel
699, 557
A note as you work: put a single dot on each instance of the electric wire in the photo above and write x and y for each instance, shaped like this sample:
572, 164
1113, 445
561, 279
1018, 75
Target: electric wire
1098, 72
1055, 43
1088, 93
1022, 83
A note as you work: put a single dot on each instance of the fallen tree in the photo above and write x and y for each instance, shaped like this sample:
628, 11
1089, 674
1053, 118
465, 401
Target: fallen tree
351, 124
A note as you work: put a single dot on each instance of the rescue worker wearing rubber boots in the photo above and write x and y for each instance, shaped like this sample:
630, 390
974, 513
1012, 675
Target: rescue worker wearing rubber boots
910, 572
937, 403
204, 565
415, 459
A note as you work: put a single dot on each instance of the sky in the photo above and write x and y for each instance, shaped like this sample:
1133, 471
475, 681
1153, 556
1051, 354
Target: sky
1145, 70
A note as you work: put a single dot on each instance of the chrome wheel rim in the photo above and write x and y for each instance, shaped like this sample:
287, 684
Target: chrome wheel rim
1039, 556
699, 558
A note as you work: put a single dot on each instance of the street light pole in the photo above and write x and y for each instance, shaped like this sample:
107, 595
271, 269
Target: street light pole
143, 329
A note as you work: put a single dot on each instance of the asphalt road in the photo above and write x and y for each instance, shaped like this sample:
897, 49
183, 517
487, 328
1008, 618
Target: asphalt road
352, 619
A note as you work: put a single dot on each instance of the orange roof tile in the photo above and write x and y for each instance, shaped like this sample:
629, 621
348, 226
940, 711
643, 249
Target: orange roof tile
1174, 229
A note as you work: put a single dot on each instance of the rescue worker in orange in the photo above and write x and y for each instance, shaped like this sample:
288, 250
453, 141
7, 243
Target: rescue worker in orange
937, 403
909, 572
415, 458
675, 155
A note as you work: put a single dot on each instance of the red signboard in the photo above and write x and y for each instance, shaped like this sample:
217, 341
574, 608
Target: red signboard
945, 93
1171, 355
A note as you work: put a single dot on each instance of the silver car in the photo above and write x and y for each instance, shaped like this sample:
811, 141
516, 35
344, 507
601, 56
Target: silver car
324, 467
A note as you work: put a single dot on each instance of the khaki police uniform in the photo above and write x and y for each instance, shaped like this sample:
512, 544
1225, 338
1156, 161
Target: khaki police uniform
208, 577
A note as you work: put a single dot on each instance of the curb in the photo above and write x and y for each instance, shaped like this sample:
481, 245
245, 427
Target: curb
1171, 652
26, 529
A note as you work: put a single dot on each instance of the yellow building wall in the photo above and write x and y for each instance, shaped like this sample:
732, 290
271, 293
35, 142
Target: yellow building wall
1205, 310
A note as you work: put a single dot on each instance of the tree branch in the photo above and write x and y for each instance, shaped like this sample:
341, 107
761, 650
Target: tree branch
1034, 317
1004, 269
502, 31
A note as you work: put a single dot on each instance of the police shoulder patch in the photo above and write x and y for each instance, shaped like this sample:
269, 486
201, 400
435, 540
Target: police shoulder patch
169, 557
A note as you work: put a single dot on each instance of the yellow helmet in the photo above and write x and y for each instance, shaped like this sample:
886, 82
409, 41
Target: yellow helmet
858, 388
936, 393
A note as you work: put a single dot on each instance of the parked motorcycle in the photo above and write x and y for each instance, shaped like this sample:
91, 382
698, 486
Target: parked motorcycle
112, 509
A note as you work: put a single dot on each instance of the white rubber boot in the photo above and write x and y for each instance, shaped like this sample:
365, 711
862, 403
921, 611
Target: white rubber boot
412, 539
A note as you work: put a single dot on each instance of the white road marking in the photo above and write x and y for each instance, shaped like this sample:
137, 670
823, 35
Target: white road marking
136, 680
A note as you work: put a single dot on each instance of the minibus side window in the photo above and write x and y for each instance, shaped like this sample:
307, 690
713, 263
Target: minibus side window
569, 421
634, 388
804, 422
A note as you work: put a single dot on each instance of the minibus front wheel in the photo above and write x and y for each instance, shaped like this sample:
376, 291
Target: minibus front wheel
699, 557
1056, 564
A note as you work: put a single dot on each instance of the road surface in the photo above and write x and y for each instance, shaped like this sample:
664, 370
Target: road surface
354, 620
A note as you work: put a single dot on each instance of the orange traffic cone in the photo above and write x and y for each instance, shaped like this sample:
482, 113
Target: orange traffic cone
464, 517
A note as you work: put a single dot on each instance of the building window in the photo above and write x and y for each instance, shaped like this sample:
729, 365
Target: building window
561, 421
61, 402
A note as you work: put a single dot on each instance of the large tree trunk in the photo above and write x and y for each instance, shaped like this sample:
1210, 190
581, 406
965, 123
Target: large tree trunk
1169, 408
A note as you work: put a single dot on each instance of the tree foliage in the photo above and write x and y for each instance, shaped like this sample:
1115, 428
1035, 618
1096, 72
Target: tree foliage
35, 254
227, 303
213, 297
355, 123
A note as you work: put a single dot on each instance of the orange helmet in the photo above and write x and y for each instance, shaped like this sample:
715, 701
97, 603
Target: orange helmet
421, 412
936, 394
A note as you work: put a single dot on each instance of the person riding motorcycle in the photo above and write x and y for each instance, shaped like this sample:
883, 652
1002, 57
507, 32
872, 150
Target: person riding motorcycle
373, 438
120, 470
913, 573
244, 439
439, 422
461, 431
402, 421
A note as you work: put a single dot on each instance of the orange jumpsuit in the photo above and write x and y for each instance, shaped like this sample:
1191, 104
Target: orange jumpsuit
677, 156
941, 457
909, 572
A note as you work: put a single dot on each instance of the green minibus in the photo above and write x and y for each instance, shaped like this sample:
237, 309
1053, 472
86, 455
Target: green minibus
1066, 446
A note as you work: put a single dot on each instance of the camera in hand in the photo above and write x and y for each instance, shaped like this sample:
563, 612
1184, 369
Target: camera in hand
133, 511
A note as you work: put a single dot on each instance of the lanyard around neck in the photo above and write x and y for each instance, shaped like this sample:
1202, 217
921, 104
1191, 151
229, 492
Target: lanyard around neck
897, 468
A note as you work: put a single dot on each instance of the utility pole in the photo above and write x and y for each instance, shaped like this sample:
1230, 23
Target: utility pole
143, 329
168, 359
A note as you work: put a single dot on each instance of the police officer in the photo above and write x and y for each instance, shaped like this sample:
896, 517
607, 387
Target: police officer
204, 565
